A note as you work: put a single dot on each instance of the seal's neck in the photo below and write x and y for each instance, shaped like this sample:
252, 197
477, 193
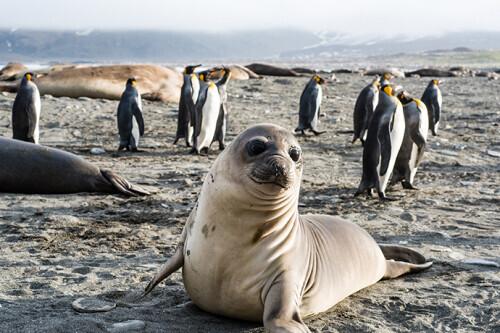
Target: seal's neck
250, 214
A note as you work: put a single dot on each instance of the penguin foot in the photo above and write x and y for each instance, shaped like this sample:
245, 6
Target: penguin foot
318, 132
204, 151
193, 151
299, 131
134, 149
409, 186
383, 197
222, 147
121, 147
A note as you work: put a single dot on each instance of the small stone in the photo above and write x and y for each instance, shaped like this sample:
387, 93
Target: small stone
77, 133
408, 217
371, 216
482, 262
448, 153
97, 151
82, 270
127, 326
92, 305
493, 153
188, 182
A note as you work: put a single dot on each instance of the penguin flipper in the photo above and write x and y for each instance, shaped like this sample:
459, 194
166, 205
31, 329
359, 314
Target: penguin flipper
418, 139
384, 139
121, 185
136, 111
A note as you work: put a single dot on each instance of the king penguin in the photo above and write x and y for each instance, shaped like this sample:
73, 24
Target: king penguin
310, 104
129, 117
363, 109
433, 101
220, 130
189, 95
384, 138
207, 110
26, 111
385, 79
415, 137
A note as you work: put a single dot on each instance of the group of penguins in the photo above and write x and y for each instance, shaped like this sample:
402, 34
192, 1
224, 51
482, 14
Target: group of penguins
391, 124
202, 115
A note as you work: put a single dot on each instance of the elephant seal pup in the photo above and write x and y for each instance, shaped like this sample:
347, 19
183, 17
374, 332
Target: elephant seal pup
34, 169
246, 253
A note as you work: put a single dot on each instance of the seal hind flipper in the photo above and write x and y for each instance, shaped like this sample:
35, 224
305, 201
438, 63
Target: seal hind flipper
402, 260
384, 138
121, 185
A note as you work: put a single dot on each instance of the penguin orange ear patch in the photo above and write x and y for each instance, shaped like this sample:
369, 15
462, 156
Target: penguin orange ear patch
28, 76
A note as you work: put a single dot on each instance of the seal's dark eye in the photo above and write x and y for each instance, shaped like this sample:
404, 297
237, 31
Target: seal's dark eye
294, 153
256, 147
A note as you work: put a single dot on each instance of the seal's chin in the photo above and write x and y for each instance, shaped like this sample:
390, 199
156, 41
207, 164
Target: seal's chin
279, 183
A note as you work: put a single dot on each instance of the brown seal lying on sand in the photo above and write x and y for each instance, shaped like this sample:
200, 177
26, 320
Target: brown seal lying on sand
154, 82
247, 253
35, 169
264, 69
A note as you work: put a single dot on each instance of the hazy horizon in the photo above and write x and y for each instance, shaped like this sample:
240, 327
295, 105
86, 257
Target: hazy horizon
357, 17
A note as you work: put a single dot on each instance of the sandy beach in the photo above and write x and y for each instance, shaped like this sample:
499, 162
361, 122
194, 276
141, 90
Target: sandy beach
57, 248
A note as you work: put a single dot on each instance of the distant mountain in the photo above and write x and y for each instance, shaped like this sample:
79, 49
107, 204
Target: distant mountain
180, 47
153, 46
333, 45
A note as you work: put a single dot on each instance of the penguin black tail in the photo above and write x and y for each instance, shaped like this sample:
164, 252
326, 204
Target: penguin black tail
121, 185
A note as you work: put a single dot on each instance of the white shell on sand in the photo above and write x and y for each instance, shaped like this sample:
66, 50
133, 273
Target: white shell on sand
91, 305
127, 326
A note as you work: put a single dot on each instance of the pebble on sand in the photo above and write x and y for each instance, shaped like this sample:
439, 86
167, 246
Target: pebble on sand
407, 217
97, 151
92, 305
127, 326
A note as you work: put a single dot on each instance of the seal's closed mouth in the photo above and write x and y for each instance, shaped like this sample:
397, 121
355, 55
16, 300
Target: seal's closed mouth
275, 182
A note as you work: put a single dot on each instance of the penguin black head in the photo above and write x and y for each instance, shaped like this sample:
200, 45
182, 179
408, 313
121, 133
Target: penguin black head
190, 69
404, 97
28, 76
318, 79
131, 82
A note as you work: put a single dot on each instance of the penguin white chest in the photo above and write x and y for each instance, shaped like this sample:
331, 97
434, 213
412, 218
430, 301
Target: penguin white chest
319, 96
397, 131
38, 107
195, 86
209, 115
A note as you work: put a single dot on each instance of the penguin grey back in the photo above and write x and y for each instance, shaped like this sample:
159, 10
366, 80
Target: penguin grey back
26, 111
363, 109
310, 105
433, 101
129, 117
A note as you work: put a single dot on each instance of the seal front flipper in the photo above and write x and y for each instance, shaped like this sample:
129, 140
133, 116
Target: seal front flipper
402, 260
281, 313
175, 262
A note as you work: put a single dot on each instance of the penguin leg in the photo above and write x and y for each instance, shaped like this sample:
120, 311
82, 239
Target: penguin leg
408, 186
121, 147
300, 131
383, 197
204, 151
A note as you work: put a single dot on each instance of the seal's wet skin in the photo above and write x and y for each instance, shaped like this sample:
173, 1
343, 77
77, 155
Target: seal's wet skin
34, 169
246, 253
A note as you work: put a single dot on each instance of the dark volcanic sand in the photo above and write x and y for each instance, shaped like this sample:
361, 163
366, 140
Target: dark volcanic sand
56, 248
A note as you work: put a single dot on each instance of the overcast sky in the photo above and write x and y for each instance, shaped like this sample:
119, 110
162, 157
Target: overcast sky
374, 17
